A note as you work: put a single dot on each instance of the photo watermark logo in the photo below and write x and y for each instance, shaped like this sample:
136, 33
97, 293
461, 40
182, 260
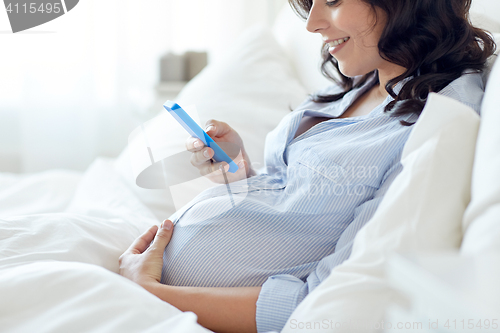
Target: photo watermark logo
25, 15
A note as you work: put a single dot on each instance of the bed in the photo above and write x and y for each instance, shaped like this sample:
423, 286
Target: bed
61, 232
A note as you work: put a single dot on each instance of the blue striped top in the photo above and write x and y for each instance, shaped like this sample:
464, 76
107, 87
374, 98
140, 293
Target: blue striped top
296, 220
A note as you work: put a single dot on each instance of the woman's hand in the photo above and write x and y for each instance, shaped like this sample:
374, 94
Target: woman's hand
218, 309
229, 140
143, 260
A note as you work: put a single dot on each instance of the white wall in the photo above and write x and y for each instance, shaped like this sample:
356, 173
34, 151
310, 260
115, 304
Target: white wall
489, 8
73, 88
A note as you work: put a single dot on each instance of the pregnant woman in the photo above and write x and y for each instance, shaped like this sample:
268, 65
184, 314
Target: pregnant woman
328, 165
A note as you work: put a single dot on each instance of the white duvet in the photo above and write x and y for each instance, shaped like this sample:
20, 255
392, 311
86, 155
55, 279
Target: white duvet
61, 234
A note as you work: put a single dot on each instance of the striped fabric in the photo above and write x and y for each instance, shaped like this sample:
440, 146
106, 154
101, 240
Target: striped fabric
296, 221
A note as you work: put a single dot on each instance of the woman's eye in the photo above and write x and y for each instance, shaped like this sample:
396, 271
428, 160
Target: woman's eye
332, 3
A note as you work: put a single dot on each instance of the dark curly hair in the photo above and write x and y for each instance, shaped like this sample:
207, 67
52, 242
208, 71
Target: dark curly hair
433, 39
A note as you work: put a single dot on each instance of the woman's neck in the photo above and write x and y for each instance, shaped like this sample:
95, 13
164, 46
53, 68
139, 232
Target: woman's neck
385, 75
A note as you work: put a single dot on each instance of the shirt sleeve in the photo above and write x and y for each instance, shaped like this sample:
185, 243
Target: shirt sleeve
281, 294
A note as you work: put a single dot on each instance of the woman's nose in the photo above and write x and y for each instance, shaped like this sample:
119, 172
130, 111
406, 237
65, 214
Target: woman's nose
316, 20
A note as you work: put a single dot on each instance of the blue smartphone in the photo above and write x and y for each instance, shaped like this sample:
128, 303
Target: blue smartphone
195, 130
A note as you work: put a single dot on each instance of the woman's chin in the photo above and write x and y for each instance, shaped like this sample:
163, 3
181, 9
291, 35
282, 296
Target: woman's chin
347, 71
352, 72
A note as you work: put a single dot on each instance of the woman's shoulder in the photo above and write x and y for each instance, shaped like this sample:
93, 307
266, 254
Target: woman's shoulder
467, 89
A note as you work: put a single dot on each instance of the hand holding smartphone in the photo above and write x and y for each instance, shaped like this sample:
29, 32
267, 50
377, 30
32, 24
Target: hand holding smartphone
196, 131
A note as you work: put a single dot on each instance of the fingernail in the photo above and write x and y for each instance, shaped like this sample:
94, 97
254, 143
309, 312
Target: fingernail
197, 144
224, 167
206, 154
210, 128
167, 224
241, 164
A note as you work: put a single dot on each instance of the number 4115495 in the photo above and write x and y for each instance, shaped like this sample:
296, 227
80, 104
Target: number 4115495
472, 324
33, 8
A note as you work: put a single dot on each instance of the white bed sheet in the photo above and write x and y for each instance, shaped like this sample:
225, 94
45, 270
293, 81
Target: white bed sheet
59, 258
53, 296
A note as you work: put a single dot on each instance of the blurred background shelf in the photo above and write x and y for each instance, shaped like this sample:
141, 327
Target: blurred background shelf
171, 89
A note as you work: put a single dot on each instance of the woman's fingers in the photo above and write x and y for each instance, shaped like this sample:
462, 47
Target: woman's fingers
203, 161
213, 169
229, 141
143, 261
216, 128
162, 238
194, 144
143, 241
201, 157
206, 168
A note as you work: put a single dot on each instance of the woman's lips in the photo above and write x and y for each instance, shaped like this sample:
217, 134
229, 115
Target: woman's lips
337, 44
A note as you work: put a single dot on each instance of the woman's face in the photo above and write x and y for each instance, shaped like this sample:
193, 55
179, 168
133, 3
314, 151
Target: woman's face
353, 30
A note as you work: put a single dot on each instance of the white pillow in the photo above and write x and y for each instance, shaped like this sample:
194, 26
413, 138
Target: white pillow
252, 88
481, 21
491, 60
422, 211
482, 218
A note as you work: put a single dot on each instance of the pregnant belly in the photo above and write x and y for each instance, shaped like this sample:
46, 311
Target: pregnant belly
245, 245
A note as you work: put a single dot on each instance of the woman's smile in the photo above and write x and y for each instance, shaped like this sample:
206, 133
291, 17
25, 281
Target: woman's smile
337, 44
352, 30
